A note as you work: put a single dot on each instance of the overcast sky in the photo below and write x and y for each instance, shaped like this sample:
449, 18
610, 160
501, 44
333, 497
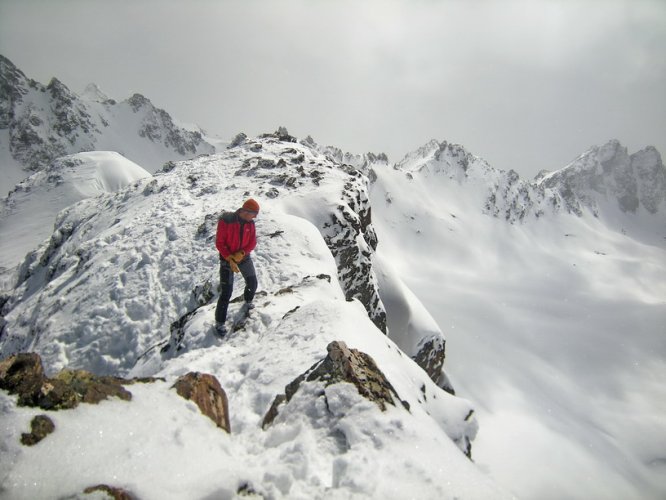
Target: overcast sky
526, 84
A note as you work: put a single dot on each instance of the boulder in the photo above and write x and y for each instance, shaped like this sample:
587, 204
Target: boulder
40, 427
342, 365
207, 393
23, 374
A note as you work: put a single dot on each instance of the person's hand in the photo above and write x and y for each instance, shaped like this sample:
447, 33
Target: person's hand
238, 256
232, 264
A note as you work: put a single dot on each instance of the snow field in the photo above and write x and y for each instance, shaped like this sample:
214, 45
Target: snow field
554, 331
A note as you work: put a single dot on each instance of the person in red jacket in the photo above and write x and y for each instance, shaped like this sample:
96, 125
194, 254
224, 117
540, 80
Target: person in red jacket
235, 240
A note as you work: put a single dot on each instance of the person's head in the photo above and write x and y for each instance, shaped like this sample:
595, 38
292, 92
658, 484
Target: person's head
249, 210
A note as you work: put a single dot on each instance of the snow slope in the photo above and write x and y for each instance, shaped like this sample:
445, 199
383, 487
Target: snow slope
122, 267
28, 212
554, 326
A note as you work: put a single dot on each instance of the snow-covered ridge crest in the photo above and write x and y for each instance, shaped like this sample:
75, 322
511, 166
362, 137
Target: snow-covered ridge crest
496, 192
121, 267
100, 239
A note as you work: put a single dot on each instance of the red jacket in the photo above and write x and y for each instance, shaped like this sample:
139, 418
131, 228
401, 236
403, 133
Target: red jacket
234, 234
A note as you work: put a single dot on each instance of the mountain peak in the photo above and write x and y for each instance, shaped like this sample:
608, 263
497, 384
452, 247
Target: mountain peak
609, 174
93, 93
138, 101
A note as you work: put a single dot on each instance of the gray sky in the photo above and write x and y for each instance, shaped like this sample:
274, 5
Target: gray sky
526, 84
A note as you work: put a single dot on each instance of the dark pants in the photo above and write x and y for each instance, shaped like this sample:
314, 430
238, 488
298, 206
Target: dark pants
227, 286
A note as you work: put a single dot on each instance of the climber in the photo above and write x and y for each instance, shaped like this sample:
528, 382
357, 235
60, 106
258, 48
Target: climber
235, 239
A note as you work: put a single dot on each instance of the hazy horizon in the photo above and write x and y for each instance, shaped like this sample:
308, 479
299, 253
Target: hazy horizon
525, 84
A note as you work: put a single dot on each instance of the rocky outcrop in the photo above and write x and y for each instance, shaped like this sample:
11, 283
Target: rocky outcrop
205, 391
342, 365
23, 375
352, 240
430, 355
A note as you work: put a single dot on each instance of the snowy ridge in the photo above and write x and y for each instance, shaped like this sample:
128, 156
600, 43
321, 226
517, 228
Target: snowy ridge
608, 173
120, 268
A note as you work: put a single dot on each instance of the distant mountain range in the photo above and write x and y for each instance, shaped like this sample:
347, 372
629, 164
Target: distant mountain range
39, 123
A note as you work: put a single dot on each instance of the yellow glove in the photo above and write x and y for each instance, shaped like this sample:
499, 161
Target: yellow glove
233, 265
238, 256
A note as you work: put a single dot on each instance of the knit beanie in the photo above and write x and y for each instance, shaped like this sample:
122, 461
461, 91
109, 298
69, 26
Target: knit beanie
251, 205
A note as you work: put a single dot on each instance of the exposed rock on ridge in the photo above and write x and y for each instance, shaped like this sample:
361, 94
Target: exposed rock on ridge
205, 391
23, 375
342, 365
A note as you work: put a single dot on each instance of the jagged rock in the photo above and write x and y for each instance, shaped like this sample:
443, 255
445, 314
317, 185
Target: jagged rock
430, 356
352, 239
112, 491
237, 141
23, 374
342, 365
40, 427
205, 391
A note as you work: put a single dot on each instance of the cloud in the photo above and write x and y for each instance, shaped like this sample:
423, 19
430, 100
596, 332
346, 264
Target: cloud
527, 84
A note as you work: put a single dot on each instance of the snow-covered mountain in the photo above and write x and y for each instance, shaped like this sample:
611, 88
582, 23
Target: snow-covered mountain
554, 317
548, 295
40, 123
533, 301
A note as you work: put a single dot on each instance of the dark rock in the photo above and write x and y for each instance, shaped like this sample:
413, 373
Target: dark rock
205, 391
273, 410
92, 389
23, 374
40, 427
113, 492
342, 365
56, 395
237, 141
430, 356
351, 238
